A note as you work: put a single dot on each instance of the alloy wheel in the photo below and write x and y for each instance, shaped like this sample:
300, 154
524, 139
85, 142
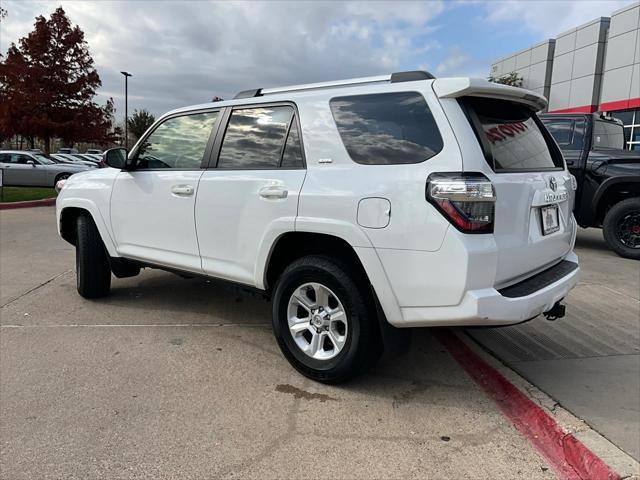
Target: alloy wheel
317, 321
628, 230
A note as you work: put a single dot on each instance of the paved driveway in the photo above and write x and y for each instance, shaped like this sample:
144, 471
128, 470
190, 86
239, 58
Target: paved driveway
174, 378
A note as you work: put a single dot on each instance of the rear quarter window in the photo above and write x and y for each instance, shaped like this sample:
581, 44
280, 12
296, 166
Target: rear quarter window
386, 128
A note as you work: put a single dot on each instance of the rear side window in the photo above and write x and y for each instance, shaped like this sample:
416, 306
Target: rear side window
568, 133
387, 128
510, 135
256, 138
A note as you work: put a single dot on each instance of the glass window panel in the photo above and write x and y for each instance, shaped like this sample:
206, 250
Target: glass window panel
387, 128
292, 157
561, 130
255, 137
626, 117
179, 142
514, 139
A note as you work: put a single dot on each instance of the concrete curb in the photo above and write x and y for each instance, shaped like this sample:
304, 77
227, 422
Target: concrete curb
46, 202
572, 448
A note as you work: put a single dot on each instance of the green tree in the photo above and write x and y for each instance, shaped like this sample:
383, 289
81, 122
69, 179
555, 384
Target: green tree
140, 121
511, 79
47, 86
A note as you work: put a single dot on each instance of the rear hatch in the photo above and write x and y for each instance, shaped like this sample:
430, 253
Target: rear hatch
533, 225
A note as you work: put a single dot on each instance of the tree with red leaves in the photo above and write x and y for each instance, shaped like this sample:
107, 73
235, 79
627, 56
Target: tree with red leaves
47, 86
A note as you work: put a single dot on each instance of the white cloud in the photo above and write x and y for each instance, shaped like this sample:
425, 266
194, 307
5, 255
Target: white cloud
182, 53
550, 17
454, 63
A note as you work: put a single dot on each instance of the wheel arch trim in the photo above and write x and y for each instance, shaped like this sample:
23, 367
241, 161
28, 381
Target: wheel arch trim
92, 209
609, 183
367, 257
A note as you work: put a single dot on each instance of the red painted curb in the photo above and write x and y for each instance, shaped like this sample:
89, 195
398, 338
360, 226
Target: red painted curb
46, 202
569, 457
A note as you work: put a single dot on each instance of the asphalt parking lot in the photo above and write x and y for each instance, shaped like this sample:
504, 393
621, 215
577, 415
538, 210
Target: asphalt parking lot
175, 378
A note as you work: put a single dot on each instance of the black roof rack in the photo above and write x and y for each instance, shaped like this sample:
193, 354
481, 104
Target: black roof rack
256, 92
393, 78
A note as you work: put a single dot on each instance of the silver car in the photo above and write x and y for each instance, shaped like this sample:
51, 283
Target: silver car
29, 169
71, 158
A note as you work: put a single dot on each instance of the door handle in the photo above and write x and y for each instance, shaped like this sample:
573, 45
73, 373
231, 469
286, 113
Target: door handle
273, 191
182, 190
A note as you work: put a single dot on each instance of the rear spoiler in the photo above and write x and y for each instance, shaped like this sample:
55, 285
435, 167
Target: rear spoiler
476, 87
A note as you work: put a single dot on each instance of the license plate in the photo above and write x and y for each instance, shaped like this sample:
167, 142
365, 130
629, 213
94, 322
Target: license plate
550, 221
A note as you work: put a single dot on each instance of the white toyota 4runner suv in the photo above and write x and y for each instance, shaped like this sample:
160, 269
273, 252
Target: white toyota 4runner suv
358, 206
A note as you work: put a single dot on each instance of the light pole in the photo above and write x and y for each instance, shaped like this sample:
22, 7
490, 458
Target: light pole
126, 108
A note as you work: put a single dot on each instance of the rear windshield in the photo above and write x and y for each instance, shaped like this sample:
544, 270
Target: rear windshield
387, 128
510, 135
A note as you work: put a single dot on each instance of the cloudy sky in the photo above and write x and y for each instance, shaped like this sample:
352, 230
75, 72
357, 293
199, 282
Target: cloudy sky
181, 53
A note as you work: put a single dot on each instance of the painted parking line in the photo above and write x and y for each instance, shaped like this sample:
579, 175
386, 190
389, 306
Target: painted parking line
569, 457
139, 325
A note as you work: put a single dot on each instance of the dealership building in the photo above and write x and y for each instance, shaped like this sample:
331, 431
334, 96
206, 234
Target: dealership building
594, 67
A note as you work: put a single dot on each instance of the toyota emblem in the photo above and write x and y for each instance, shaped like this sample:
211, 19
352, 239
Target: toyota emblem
553, 184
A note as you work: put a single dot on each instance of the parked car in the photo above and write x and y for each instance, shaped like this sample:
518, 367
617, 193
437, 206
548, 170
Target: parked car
94, 151
360, 207
95, 159
69, 158
28, 169
607, 176
97, 162
67, 150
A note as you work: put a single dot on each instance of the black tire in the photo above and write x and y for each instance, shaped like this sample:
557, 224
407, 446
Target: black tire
619, 236
62, 176
362, 346
93, 273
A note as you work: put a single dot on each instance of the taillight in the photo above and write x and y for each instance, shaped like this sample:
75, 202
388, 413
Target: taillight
467, 200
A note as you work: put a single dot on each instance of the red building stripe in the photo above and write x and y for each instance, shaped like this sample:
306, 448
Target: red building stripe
620, 105
603, 107
582, 109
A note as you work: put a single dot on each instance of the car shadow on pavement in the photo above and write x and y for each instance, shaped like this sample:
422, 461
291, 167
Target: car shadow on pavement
168, 299
591, 239
190, 300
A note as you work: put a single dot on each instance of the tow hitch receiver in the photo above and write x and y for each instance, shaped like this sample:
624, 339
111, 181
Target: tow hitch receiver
557, 311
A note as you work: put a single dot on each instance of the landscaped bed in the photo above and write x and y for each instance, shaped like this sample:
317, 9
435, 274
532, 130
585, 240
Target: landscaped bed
22, 194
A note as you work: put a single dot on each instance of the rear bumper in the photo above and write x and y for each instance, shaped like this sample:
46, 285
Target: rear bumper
489, 306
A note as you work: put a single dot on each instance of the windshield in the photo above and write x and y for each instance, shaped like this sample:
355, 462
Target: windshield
607, 135
43, 159
510, 135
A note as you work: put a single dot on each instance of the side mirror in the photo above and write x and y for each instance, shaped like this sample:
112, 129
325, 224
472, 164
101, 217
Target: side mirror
115, 157
31, 162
